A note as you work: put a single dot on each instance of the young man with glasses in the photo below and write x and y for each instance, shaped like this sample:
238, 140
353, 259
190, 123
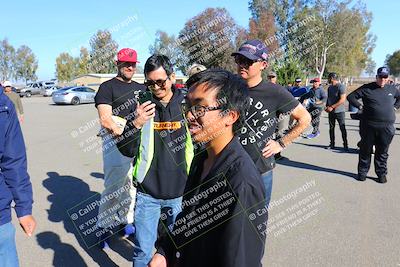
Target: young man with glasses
219, 225
380, 100
161, 143
116, 97
267, 100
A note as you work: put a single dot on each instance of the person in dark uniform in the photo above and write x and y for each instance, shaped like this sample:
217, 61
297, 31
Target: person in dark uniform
380, 101
336, 110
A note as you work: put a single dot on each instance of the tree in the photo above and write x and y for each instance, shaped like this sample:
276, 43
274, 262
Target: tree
7, 60
343, 45
167, 45
209, 39
289, 68
83, 62
66, 67
370, 67
393, 62
25, 64
102, 53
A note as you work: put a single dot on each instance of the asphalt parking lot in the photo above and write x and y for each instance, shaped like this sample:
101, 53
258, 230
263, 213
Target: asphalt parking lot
320, 215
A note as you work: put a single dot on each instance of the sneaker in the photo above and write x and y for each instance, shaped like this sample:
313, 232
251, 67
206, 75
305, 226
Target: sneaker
129, 230
317, 134
382, 179
361, 177
310, 136
330, 147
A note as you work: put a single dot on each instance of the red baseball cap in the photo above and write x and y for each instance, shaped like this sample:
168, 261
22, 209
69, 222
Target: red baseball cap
315, 80
127, 55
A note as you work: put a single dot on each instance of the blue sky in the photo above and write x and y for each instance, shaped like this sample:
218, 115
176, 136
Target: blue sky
51, 27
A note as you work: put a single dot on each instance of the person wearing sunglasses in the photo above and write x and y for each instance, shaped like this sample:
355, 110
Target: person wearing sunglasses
116, 97
160, 141
267, 101
380, 101
224, 189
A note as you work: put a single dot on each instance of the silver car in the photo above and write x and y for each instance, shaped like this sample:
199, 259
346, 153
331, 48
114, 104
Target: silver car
50, 91
74, 95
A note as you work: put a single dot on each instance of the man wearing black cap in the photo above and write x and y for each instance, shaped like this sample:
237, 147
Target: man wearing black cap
379, 103
272, 77
335, 108
267, 100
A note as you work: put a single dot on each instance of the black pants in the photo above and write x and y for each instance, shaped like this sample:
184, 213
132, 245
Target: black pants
340, 118
315, 113
379, 135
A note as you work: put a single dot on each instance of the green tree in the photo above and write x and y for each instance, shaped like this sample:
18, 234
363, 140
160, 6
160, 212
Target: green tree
102, 53
209, 38
7, 60
393, 62
66, 67
25, 64
288, 69
83, 62
344, 42
167, 45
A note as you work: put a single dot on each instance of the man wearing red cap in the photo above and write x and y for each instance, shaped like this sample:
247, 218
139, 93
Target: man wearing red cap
316, 102
115, 100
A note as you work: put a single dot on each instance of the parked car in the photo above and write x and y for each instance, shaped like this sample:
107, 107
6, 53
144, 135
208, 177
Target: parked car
50, 91
35, 88
74, 95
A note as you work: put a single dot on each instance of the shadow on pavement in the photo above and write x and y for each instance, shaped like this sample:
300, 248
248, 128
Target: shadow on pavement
64, 254
302, 165
68, 195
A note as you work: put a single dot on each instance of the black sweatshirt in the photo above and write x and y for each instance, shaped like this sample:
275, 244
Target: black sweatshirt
223, 219
167, 175
378, 103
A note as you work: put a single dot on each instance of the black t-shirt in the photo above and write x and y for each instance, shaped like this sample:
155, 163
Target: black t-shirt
267, 101
379, 103
120, 95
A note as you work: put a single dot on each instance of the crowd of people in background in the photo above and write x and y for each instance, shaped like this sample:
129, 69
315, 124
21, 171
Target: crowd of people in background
199, 159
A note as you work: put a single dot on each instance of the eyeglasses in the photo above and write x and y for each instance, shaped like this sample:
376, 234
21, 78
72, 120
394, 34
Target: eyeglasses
152, 84
244, 61
197, 111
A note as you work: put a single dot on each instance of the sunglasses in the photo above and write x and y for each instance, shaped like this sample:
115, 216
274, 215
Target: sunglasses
152, 84
126, 64
197, 111
244, 61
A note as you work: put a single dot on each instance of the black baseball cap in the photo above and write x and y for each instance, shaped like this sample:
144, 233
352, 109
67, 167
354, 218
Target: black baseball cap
333, 75
253, 49
382, 72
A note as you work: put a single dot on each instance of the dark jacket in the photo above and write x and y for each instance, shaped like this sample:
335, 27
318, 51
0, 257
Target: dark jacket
167, 175
14, 179
223, 216
378, 103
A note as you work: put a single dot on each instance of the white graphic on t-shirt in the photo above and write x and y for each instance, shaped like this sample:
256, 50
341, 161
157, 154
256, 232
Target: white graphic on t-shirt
255, 124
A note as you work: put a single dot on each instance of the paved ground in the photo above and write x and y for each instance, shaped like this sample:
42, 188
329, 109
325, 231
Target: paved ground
321, 216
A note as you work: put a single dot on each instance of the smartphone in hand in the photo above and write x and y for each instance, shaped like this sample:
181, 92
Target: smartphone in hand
145, 96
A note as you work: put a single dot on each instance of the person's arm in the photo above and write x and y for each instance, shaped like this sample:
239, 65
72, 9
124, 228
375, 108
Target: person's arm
105, 113
354, 96
129, 141
322, 97
13, 165
303, 118
397, 97
342, 99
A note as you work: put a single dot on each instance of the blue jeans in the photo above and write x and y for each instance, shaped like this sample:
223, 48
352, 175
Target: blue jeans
147, 216
8, 250
267, 180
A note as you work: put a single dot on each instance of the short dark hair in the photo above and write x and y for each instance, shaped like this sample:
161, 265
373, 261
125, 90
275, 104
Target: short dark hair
333, 75
230, 86
156, 61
